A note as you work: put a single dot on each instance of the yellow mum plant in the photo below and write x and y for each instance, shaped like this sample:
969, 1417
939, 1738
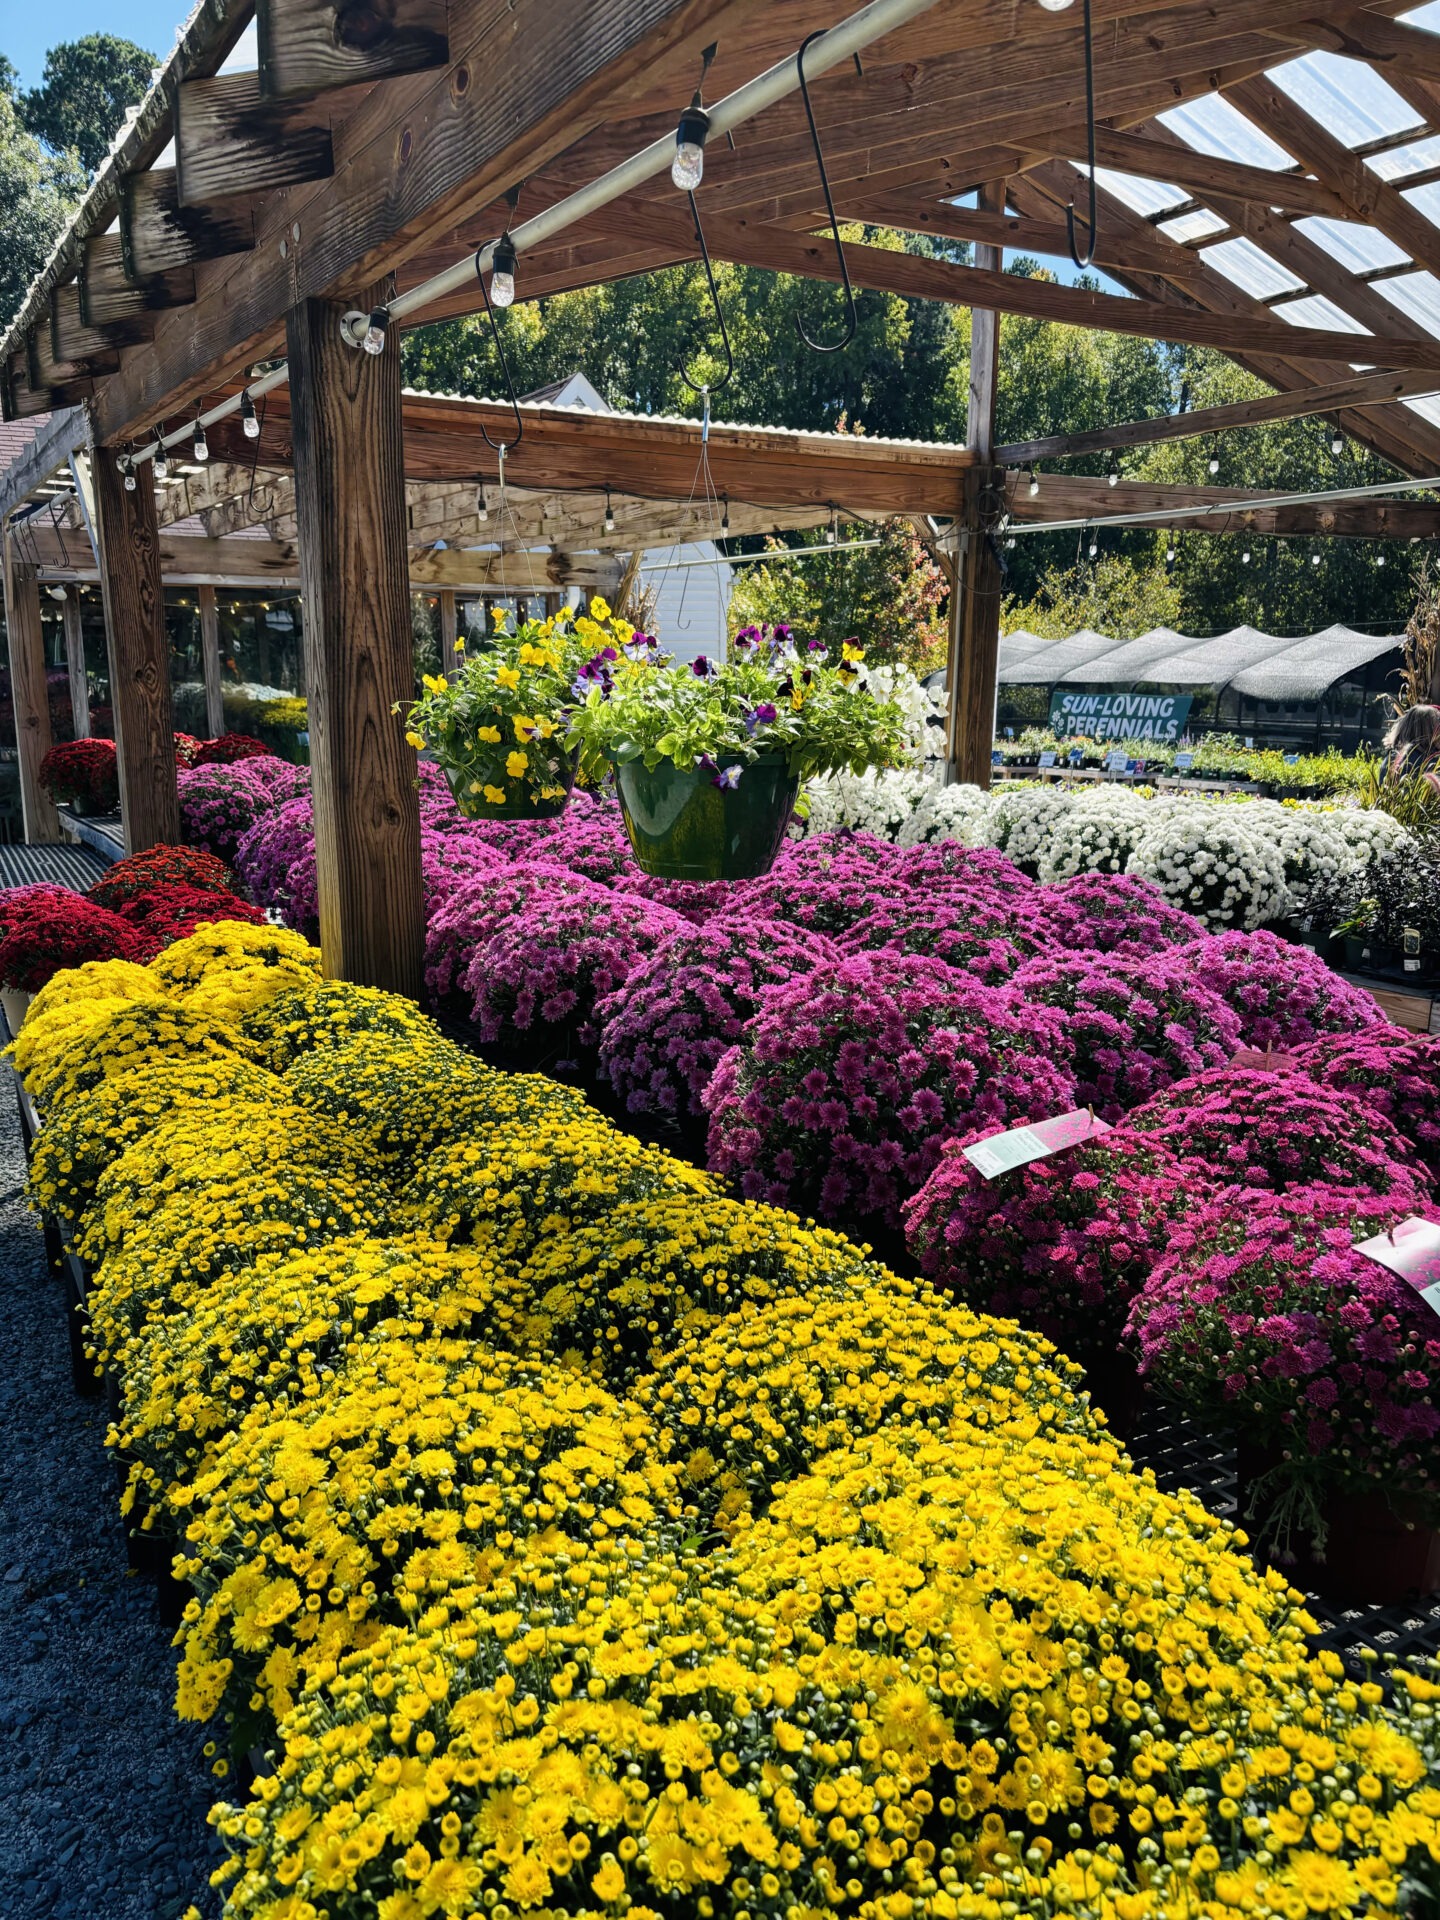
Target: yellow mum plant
225, 945
329, 1013
127, 1034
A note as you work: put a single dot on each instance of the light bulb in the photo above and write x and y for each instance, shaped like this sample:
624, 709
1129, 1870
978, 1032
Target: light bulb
1057, 6
609, 515
1113, 476
1315, 558
1170, 553
687, 169
162, 465
249, 422
1034, 484
374, 341
1010, 543
482, 505
1245, 558
1213, 463
201, 448
502, 272
1337, 443
1094, 544
129, 475
1380, 559
56, 593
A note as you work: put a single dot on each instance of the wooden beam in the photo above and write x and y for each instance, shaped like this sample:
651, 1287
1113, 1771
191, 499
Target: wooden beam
1202, 173
46, 453
1012, 230
877, 268
985, 344
182, 556
157, 234
1364, 390
975, 632
21, 401
418, 157
134, 597
307, 46
29, 693
75, 666
1391, 47
514, 571
108, 298
1072, 497
350, 495
210, 660
72, 341
228, 140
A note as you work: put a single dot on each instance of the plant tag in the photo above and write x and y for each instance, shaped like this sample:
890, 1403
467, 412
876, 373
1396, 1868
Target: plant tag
1137, 766
1119, 763
1410, 948
1292, 759
997, 759
1077, 756
1003, 1152
1271, 1061
1184, 762
1047, 759
1413, 1251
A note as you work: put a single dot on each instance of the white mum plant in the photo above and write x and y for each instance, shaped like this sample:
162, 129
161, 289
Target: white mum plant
1313, 850
878, 803
1209, 865
1368, 831
962, 812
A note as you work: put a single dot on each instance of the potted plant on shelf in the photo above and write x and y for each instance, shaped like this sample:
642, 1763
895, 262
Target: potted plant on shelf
82, 775
498, 726
708, 756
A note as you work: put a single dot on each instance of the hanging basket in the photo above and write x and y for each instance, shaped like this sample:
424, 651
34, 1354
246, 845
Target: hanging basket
683, 827
517, 804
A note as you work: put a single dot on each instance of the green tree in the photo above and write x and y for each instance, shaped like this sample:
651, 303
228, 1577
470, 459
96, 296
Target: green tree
84, 92
38, 193
9, 78
887, 597
1113, 596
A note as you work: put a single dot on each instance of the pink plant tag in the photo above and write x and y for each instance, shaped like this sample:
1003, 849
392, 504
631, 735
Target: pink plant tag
1273, 1060
1003, 1152
1413, 1251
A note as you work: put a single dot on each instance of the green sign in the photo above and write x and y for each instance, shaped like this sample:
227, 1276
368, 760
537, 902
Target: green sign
1120, 716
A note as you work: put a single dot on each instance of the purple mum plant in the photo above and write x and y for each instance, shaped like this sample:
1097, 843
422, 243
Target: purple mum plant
1110, 911
663, 1032
851, 1078
1133, 1032
1395, 1072
478, 908
825, 883
276, 860
965, 924
1063, 1245
1264, 1320
220, 803
1284, 995
1249, 1128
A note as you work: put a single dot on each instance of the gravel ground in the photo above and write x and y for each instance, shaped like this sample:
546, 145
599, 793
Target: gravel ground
103, 1793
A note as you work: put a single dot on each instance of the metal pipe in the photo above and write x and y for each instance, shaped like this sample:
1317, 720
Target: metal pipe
841, 43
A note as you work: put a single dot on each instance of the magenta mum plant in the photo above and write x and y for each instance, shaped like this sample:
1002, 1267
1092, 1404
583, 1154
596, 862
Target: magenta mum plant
460, 925
1264, 1320
449, 861
1246, 1127
938, 861
825, 883
851, 1078
1116, 911
1284, 995
662, 1033
1395, 1072
1063, 1245
276, 860
220, 802
549, 961
967, 925
1133, 1031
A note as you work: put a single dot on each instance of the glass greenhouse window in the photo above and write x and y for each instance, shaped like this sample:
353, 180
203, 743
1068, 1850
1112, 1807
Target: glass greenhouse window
1426, 200
1242, 262
1211, 125
1361, 249
1349, 99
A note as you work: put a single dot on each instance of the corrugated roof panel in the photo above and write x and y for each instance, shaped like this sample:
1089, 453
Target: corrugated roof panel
1242, 263
1349, 99
1417, 294
1212, 125
1142, 196
1196, 225
1360, 249
1317, 311
1417, 156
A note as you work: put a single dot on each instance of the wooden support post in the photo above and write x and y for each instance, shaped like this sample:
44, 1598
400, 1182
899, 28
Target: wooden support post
28, 693
75, 664
974, 654
129, 543
210, 660
350, 506
449, 632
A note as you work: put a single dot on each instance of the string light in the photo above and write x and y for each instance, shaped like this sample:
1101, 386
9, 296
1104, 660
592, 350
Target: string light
1113, 476
1057, 6
1245, 558
249, 421
1213, 463
502, 272
375, 332
1315, 558
1337, 442
162, 459
687, 169
57, 593
832, 532
482, 505
1034, 482
1094, 545
201, 448
127, 468
725, 520
609, 513
1380, 558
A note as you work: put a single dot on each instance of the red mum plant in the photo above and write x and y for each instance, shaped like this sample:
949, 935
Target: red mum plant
172, 912
1322, 1364
226, 748
161, 867
51, 928
1250, 1128
187, 750
1395, 1072
83, 774
1063, 1244
851, 1078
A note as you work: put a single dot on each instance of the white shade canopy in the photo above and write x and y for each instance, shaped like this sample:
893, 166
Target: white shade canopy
1262, 665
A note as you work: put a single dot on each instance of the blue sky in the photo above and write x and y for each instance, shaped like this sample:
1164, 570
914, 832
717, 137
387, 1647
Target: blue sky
28, 28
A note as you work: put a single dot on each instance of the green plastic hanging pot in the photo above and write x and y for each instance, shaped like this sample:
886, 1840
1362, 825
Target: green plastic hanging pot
683, 827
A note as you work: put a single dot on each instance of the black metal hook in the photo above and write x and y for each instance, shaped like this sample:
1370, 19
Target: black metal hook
852, 318
1088, 257
697, 386
502, 447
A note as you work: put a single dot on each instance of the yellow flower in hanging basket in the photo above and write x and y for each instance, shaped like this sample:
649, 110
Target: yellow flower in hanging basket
495, 795
416, 740
516, 764
433, 682
490, 735
599, 608
507, 677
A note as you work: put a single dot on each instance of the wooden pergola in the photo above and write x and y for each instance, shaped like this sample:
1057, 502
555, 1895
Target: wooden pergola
372, 152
